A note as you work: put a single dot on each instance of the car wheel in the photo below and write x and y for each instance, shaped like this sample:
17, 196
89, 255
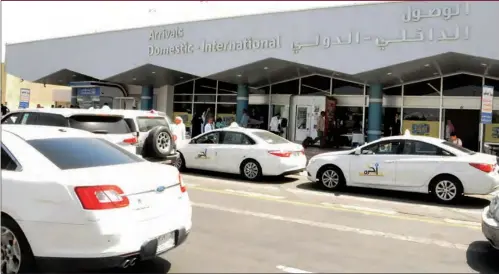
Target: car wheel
446, 189
251, 170
331, 177
159, 142
179, 162
17, 256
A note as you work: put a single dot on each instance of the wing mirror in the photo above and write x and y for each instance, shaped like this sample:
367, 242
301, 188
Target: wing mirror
357, 151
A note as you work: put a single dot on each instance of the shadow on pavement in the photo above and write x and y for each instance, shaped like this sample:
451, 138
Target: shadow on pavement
482, 262
156, 266
398, 196
237, 177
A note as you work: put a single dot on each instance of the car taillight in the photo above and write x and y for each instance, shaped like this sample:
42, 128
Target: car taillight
131, 141
487, 168
302, 151
279, 153
183, 188
101, 197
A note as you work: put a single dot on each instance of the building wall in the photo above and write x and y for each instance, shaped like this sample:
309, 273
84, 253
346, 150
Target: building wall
4, 83
351, 40
39, 94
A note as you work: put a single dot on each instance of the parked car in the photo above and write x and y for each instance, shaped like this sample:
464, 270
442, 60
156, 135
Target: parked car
490, 222
253, 153
408, 163
73, 199
112, 124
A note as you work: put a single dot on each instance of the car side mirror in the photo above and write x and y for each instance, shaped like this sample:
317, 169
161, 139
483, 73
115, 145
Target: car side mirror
193, 141
357, 151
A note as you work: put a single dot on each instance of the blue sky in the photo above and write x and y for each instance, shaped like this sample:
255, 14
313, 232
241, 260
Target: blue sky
28, 21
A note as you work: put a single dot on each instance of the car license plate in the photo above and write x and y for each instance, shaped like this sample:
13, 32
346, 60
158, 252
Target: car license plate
166, 241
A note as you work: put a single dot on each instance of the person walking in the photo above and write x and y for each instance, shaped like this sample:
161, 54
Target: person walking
209, 126
275, 124
449, 129
179, 129
321, 126
455, 140
244, 119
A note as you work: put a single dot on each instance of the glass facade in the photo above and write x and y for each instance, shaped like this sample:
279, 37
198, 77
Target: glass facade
425, 107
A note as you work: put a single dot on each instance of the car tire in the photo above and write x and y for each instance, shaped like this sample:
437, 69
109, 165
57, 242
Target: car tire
11, 251
159, 143
331, 177
446, 189
180, 162
251, 170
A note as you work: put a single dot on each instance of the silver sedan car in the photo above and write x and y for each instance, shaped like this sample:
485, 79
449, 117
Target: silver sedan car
490, 222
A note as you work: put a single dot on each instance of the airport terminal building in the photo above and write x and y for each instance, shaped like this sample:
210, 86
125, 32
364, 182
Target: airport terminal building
426, 62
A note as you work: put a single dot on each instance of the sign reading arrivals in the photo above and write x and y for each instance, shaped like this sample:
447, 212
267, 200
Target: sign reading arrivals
426, 33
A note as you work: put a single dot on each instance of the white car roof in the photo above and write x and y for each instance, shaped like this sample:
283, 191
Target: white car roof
32, 132
426, 139
68, 112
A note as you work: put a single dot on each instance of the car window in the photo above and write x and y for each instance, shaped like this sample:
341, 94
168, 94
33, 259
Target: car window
12, 118
236, 138
49, 119
131, 124
100, 124
8, 162
412, 147
209, 138
462, 149
147, 123
74, 153
270, 138
29, 118
384, 148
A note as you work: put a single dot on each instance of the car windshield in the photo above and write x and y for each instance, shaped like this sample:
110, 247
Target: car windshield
100, 124
74, 153
147, 123
456, 147
270, 138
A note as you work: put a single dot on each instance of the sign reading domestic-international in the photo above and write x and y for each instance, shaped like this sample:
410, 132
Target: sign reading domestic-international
424, 34
487, 103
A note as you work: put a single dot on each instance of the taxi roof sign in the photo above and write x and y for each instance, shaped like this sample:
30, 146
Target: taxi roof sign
407, 133
233, 124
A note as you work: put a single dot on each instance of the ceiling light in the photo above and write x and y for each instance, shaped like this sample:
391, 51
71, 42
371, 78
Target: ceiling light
181, 77
483, 64
239, 75
427, 65
74, 75
265, 68
389, 73
134, 78
60, 81
153, 72
435, 73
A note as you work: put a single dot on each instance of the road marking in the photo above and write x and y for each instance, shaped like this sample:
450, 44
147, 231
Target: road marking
254, 194
422, 219
234, 183
343, 228
291, 269
452, 221
367, 209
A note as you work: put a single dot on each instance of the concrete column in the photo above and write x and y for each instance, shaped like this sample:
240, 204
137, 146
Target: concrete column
146, 98
375, 112
164, 99
74, 93
242, 100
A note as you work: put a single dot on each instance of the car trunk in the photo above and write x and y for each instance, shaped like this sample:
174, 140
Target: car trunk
150, 188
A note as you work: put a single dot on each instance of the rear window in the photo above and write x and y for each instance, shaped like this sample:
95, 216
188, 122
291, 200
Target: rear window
462, 149
270, 138
100, 124
147, 123
74, 153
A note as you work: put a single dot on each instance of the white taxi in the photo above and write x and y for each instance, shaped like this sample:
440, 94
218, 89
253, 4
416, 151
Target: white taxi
253, 153
73, 200
408, 163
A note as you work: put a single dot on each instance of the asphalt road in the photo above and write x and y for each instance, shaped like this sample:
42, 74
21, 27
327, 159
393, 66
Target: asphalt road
288, 226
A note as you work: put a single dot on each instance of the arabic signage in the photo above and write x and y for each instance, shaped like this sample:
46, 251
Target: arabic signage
372, 170
422, 128
412, 15
487, 103
24, 98
93, 91
491, 134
